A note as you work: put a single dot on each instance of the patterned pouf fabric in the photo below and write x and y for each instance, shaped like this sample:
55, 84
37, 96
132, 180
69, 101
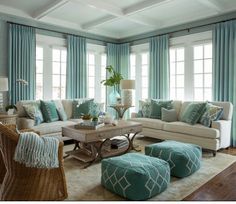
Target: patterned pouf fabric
184, 159
135, 176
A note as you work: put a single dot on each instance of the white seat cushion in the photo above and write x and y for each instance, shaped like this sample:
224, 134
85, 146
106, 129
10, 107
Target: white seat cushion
150, 123
197, 129
76, 120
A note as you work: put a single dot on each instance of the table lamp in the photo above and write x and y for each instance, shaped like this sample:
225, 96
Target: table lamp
127, 87
3, 87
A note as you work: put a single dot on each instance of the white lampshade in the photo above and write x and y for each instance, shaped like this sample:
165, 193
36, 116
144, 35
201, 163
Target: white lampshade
127, 84
3, 84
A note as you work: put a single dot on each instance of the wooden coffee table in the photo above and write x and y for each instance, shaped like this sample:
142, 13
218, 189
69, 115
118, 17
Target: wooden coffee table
91, 145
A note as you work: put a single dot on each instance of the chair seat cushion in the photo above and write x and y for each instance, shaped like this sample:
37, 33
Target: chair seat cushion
135, 176
184, 159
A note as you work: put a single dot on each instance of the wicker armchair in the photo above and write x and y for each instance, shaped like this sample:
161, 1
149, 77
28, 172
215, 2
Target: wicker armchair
23, 183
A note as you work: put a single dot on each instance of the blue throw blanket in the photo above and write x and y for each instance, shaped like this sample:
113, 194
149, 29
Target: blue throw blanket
35, 151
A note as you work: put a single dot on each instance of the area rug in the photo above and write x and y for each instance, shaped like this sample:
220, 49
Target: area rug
85, 184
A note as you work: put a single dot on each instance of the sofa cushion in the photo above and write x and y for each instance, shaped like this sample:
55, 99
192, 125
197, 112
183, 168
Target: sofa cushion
80, 107
150, 123
33, 112
212, 113
20, 109
197, 129
156, 108
144, 108
60, 110
53, 127
49, 111
168, 115
193, 112
67, 104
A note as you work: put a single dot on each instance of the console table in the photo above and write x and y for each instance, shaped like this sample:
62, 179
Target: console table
8, 119
120, 109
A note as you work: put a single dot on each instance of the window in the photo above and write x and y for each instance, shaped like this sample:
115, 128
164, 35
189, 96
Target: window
96, 64
177, 73
133, 76
59, 73
39, 73
203, 72
144, 76
191, 67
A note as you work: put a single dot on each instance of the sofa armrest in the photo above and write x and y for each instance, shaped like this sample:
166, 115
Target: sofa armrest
24, 123
224, 127
134, 115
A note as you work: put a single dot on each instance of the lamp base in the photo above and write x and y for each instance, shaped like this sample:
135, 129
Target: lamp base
127, 97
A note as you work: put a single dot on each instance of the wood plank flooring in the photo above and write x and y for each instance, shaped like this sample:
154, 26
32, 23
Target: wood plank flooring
220, 188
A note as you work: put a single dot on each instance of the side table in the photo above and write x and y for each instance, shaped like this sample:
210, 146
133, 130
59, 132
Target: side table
120, 109
8, 119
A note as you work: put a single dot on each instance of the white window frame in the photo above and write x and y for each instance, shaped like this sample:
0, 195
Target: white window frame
188, 42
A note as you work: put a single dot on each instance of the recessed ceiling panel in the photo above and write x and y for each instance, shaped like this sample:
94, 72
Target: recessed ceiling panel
123, 3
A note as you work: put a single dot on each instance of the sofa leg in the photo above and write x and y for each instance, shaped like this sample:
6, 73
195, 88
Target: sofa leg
214, 153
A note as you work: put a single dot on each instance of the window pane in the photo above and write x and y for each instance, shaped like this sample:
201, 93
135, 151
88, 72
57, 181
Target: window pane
144, 93
39, 80
208, 66
208, 80
132, 60
198, 94
180, 94
144, 82
56, 55
56, 68
91, 81
91, 59
63, 68
198, 80
56, 92
180, 68
63, 55
172, 81
63, 93
172, 55
39, 92
198, 52
56, 81
172, 68
198, 66
104, 60
91, 93
39, 66
208, 94
39, 53
180, 80
144, 58
208, 51
172, 93
144, 70
180, 54
63, 81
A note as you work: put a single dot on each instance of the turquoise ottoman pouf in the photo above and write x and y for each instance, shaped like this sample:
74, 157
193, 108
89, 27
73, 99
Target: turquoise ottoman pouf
135, 176
184, 158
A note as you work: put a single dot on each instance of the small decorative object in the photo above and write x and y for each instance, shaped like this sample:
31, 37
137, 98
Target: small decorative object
127, 87
112, 81
106, 118
10, 109
95, 120
86, 119
118, 100
22, 81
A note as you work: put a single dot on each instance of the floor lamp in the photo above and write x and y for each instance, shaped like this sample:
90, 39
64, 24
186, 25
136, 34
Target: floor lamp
3, 88
127, 87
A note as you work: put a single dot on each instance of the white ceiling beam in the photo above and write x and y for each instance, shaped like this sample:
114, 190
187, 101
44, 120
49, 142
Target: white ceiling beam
212, 5
119, 13
49, 8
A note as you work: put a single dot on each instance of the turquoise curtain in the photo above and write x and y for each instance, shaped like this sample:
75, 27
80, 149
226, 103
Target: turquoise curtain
118, 57
159, 67
224, 67
22, 63
76, 81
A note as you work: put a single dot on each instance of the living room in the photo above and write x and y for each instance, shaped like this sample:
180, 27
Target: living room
105, 100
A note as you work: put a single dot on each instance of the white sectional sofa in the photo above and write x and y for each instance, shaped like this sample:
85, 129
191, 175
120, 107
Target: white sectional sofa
46, 129
214, 138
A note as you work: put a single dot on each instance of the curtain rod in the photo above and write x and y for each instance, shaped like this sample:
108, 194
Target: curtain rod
64, 33
184, 29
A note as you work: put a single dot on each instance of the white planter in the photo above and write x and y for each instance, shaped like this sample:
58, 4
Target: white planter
10, 112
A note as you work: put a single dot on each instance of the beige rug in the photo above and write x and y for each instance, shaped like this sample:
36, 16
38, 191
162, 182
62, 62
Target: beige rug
85, 184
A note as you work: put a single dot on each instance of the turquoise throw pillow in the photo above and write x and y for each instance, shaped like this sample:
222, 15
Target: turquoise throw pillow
156, 107
96, 108
168, 115
82, 108
145, 109
212, 113
193, 112
49, 111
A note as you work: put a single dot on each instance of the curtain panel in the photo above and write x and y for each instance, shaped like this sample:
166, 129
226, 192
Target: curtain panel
159, 67
22, 63
224, 67
76, 81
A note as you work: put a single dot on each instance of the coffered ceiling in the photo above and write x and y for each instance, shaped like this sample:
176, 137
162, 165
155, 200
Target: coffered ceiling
117, 18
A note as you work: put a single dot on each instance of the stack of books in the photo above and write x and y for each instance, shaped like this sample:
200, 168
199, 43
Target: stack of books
90, 126
118, 143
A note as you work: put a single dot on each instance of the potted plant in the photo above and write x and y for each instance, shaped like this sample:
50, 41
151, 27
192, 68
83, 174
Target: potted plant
95, 120
112, 81
10, 109
86, 119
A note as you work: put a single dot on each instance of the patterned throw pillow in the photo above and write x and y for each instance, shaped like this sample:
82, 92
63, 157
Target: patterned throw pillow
212, 113
96, 108
156, 108
145, 108
49, 111
81, 108
33, 111
60, 110
193, 112
168, 115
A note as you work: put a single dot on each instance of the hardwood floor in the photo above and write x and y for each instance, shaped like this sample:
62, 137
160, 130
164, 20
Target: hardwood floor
220, 188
